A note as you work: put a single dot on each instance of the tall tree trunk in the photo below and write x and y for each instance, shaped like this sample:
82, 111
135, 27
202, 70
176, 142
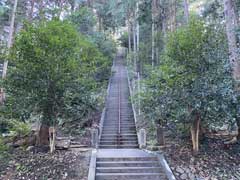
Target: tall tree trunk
129, 37
232, 23
173, 15
10, 37
163, 23
186, 10
31, 10
153, 31
138, 39
41, 10
134, 42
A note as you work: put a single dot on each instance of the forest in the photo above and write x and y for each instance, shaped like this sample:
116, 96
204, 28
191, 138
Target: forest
58, 61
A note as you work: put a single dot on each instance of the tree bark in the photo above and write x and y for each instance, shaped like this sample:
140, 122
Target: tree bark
138, 40
154, 9
173, 15
43, 138
134, 42
41, 12
52, 139
31, 10
238, 124
186, 10
10, 37
232, 23
195, 130
129, 37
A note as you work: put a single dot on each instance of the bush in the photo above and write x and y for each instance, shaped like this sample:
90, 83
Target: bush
3, 149
194, 78
19, 129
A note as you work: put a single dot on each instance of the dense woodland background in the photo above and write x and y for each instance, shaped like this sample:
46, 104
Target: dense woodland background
182, 57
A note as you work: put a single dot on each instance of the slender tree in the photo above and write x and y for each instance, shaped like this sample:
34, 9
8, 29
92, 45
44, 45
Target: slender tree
32, 3
186, 10
154, 9
10, 37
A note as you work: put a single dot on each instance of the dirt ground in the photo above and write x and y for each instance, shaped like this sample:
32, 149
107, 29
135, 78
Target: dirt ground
36, 163
215, 160
65, 164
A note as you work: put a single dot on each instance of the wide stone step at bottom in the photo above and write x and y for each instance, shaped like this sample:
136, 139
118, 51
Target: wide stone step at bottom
128, 164
129, 176
129, 170
128, 159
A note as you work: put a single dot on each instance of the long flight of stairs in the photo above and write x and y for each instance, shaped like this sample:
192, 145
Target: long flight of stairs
119, 130
119, 156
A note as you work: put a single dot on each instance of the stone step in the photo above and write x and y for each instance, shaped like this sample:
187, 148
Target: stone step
129, 146
128, 170
117, 124
118, 143
121, 132
117, 137
122, 139
127, 141
116, 127
128, 176
141, 158
121, 135
128, 164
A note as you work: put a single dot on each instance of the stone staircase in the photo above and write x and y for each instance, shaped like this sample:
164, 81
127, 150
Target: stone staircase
118, 156
119, 130
121, 166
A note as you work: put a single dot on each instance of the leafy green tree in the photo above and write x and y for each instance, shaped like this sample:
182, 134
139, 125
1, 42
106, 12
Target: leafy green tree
51, 63
193, 84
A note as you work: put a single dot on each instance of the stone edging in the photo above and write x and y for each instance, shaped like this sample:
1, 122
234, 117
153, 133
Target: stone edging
164, 164
92, 167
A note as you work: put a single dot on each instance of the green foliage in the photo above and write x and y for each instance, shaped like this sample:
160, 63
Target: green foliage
194, 78
18, 128
3, 149
84, 19
55, 73
106, 45
124, 40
